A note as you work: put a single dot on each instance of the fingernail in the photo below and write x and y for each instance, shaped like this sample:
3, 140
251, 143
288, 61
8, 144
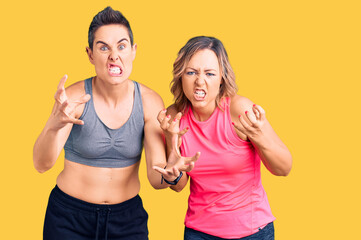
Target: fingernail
239, 115
168, 116
254, 105
187, 128
175, 119
246, 112
232, 123
164, 110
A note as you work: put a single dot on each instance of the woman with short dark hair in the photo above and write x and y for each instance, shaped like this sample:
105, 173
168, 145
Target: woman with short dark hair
101, 123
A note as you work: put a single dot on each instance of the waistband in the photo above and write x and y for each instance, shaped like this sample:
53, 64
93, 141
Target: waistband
77, 204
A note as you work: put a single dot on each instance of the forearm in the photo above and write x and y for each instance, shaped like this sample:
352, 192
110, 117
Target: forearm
47, 148
276, 158
155, 179
181, 184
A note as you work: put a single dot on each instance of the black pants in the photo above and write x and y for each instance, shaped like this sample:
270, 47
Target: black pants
71, 218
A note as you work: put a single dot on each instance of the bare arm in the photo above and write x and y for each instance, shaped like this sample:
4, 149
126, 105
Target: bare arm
153, 137
53, 137
154, 145
252, 123
169, 122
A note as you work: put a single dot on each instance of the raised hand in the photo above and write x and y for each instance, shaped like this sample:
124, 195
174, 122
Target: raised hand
170, 129
273, 152
253, 125
176, 162
64, 109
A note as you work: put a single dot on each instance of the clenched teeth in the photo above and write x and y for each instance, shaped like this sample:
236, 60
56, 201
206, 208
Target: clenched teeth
200, 93
115, 70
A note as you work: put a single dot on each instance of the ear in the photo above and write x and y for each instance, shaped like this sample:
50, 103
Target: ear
90, 54
134, 50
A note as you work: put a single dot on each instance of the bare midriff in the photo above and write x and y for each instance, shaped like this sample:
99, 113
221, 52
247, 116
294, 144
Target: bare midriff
99, 185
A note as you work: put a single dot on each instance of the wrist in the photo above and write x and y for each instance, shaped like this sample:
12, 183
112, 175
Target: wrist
263, 144
174, 181
50, 127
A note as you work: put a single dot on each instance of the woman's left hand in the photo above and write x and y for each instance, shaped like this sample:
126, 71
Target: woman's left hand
274, 154
253, 124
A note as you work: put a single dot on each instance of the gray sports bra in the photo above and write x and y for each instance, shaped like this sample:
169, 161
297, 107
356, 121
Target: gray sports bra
94, 144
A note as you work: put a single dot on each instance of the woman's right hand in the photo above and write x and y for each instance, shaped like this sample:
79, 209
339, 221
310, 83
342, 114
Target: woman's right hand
172, 128
175, 162
64, 109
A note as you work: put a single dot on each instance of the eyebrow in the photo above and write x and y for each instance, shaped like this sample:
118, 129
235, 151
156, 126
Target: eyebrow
207, 70
121, 40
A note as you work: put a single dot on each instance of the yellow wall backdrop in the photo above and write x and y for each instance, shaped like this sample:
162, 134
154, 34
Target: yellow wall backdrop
300, 60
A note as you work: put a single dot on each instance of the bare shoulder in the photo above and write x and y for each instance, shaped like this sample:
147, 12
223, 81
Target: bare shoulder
75, 91
240, 104
152, 102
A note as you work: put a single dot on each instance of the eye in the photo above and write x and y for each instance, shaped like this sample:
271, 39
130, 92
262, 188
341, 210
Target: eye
211, 74
190, 73
104, 48
121, 47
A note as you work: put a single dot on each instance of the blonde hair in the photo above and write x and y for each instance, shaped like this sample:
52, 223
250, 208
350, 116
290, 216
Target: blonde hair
228, 84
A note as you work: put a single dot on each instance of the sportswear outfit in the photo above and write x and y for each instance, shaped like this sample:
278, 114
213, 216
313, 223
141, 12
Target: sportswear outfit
227, 199
95, 144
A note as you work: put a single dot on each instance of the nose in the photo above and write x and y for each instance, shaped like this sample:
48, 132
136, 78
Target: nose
200, 80
113, 56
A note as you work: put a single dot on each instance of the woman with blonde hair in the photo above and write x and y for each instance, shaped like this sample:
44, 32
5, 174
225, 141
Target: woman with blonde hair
227, 199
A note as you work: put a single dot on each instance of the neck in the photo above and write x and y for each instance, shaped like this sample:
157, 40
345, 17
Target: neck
203, 114
111, 94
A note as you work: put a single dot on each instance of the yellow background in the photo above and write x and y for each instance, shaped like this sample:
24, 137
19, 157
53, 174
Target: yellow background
300, 60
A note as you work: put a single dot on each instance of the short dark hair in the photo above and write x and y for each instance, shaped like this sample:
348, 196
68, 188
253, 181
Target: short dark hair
106, 17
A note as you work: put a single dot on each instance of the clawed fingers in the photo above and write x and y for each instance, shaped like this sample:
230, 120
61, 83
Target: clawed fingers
261, 113
59, 95
165, 123
167, 173
76, 121
189, 160
180, 135
160, 170
256, 112
189, 167
251, 117
63, 107
184, 131
174, 125
239, 126
161, 116
67, 112
244, 124
62, 82
175, 171
82, 100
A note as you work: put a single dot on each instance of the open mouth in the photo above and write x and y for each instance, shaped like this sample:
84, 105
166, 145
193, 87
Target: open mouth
199, 94
114, 70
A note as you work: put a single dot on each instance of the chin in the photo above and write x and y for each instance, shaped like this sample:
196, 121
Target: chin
199, 104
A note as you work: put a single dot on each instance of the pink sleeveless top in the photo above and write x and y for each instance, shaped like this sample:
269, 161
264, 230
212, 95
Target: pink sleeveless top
227, 198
